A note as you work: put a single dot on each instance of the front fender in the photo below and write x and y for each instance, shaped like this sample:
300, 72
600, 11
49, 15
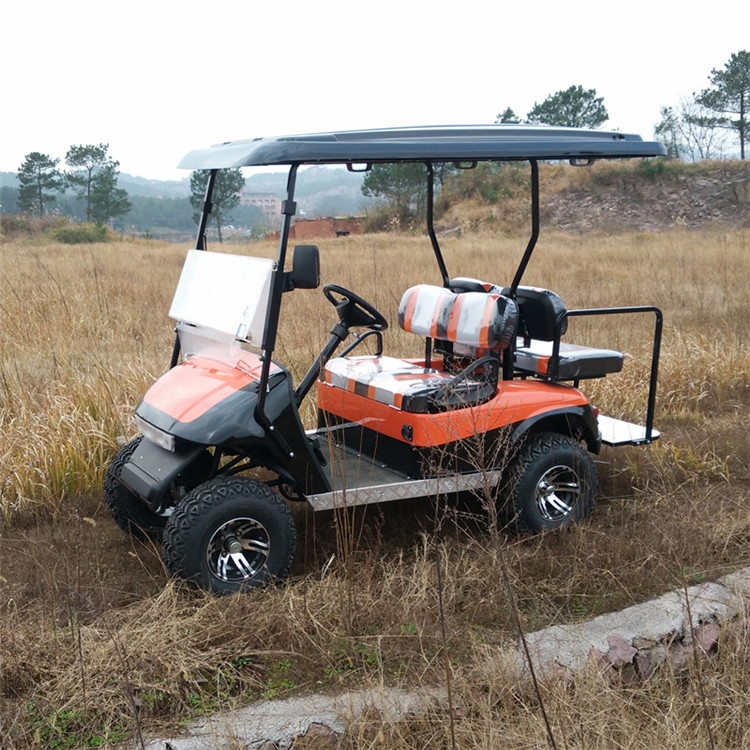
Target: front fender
206, 401
152, 470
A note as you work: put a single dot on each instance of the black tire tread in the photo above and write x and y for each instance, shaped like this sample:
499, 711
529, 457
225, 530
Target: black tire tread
128, 512
178, 545
535, 447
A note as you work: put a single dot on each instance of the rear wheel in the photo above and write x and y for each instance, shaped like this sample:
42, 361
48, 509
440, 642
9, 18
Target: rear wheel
230, 534
553, 482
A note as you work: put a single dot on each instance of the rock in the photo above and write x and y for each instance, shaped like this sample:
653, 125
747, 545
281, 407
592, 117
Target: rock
645, 664
317, 737
620, 651
707, 636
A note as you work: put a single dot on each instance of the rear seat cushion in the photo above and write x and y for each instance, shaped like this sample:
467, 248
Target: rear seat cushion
477, 319
575, 362
401, 384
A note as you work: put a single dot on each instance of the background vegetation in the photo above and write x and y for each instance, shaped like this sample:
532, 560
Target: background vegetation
97, 645
712, 124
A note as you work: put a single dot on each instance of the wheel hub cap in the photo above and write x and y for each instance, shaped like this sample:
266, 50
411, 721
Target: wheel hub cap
238, 550
557, 492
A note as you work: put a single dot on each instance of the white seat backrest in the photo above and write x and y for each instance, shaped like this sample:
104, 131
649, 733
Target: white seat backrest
475, 319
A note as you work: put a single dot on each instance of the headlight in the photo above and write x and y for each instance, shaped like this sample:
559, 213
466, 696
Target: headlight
155, 435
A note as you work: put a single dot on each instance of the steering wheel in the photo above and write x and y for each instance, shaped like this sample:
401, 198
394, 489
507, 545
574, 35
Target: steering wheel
352, 310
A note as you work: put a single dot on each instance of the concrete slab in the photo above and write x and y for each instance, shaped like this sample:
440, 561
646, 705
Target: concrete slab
280, 721
643, 626
643, 634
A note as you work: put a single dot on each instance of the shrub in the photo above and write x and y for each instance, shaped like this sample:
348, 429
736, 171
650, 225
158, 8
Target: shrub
660, 167
78, 234
18, 225
386, 217
488, 182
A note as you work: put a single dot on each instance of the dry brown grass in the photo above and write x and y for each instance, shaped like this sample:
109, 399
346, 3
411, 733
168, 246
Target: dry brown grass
586, 711
93, 639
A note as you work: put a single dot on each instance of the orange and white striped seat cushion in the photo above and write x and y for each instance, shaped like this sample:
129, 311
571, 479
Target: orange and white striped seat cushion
386, 379
482, 321
471, 319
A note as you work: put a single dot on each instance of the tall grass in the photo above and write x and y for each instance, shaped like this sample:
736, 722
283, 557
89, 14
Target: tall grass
85, 330
95, 643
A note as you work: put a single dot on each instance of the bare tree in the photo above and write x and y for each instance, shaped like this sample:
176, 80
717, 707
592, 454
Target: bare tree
691, 132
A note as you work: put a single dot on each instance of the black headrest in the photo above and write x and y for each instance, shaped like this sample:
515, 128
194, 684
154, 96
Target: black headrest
462, 284
539, 310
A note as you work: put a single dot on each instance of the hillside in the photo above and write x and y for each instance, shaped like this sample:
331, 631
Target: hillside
671, 196
609, 197
652, 195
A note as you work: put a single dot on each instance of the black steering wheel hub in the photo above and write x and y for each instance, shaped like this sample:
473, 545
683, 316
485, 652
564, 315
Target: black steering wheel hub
353, 311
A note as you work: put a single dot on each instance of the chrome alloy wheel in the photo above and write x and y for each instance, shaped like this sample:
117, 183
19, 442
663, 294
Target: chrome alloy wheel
557, 492
238, 550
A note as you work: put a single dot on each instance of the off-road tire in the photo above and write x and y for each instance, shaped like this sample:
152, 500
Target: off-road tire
552, 482
128, 512
228, 511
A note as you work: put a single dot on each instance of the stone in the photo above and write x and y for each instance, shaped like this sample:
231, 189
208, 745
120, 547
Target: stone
678, 655
620, 651
317, 737
707, 636
645, 664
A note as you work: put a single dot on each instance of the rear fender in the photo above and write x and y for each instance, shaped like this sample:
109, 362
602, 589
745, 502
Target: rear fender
578, 422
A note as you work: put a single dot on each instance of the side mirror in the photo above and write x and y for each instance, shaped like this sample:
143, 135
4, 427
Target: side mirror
305, 267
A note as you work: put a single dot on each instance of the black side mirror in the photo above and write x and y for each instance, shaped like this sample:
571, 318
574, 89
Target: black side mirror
305, 267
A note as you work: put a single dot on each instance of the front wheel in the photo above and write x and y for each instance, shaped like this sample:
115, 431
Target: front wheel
230, 534
553, 482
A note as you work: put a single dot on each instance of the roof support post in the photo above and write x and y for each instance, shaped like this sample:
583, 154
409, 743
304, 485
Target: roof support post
200, 240
288, 209
534, 228
430, 227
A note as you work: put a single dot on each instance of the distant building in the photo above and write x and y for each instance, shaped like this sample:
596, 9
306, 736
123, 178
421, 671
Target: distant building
328, 226
269, 203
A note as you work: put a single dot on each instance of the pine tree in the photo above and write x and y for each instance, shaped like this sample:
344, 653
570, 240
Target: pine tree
37, 176
729, 95
225, 196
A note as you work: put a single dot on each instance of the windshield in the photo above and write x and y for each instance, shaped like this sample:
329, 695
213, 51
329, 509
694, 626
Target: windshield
226, 296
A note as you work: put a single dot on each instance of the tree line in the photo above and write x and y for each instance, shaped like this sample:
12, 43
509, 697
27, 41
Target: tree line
91, 175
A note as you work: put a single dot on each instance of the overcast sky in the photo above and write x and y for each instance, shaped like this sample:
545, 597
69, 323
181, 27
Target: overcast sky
155, 79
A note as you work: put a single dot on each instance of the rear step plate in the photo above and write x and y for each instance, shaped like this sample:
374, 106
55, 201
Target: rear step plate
618, 432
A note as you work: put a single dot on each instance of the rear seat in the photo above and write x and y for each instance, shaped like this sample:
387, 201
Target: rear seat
539, 311
574, 362
477, 320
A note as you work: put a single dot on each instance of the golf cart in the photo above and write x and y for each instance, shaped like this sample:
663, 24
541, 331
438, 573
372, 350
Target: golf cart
489, 367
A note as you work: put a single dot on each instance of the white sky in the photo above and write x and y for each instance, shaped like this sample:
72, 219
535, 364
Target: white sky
156, 79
